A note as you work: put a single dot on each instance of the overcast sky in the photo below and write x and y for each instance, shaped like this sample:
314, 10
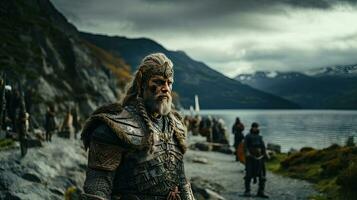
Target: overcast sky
231, 36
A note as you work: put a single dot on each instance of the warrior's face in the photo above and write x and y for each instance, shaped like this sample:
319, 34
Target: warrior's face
157, 94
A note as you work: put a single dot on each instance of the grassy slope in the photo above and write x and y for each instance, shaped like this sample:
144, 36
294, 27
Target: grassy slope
333, 170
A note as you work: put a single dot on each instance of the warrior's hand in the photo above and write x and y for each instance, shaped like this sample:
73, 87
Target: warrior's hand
266, 156
174, 194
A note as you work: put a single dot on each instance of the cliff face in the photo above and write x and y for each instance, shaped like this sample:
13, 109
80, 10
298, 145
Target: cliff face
43, 52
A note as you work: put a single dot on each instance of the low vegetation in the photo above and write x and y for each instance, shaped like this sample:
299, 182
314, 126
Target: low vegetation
115, 64
6, 144
333, 170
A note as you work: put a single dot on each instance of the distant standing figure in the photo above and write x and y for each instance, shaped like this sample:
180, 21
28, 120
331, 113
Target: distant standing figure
195, 125
206, 125
255, 161
76, 124
67, 125
223, 132
219, 132
50, 122
215, 130
237, 130
27, 123
14, 107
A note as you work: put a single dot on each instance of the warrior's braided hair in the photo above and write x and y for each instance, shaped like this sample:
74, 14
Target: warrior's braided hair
144, 115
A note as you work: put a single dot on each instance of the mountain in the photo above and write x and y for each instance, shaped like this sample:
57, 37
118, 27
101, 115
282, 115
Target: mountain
46, 55
191, 77
325, 88
340, 70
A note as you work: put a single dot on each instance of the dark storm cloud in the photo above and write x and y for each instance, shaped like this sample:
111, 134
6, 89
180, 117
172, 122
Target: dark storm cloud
231, 35
195, 15
153, 15
257, 4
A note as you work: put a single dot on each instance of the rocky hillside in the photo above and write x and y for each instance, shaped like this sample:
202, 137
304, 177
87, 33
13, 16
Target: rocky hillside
327, 88
45, 54
192, 77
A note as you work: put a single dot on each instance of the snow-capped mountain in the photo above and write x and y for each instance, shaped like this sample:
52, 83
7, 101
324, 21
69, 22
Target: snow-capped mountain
343, 70
324, 88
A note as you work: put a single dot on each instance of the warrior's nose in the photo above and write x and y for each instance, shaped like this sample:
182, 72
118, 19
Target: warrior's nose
165, 88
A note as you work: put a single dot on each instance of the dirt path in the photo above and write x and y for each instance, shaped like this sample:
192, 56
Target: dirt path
224, 170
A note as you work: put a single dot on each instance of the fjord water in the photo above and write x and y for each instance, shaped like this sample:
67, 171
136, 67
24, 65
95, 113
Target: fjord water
295, 128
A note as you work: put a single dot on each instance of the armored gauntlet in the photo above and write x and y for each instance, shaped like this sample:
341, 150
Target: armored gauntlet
186, 192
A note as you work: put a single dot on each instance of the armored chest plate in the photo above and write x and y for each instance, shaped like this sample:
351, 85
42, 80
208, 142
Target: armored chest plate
156, 172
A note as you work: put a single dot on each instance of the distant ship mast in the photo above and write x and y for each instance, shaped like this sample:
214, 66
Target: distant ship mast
197, 104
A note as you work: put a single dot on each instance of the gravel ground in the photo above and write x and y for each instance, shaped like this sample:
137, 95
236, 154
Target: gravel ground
223, 169
46, 172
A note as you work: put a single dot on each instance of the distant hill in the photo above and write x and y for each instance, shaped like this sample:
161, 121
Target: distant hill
45, 53
325, 88
192, 77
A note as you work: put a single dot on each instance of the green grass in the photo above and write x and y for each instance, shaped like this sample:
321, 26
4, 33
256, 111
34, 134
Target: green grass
274, 164
332, 170
6, 144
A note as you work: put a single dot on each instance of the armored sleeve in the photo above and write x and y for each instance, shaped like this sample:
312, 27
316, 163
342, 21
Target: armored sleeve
186, 190
263, 147
185, 186
104, 157
246, 144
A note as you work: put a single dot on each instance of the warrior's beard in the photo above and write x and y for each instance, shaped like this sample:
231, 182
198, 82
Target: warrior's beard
159, 104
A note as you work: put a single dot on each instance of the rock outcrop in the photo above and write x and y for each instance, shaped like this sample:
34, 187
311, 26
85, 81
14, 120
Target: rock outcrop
45, 54
44, 173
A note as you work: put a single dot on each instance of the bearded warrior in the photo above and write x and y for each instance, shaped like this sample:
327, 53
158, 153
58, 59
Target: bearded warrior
136, 149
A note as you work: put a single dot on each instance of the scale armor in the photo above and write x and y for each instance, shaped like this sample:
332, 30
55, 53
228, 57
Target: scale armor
120, 164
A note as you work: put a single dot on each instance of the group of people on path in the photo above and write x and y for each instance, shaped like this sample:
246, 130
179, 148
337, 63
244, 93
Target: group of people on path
212, 128
251, 151
70, 126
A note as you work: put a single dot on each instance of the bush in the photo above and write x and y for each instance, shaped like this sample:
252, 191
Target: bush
348, 179
332, 147
306, 149
333, 167
306, 156
6, 143
350, 141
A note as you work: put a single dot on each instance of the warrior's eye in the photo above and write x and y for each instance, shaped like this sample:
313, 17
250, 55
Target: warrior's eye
159, 82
